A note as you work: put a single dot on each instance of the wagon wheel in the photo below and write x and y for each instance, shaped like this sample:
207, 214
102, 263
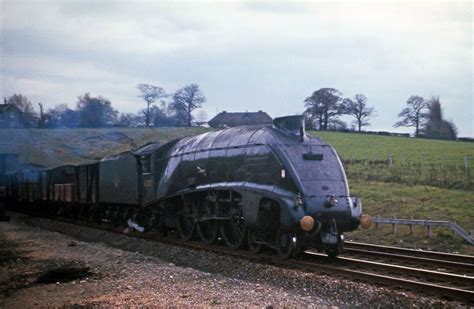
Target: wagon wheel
83, 213
253, 245
285, 244
186, 221
233, 230
208, 229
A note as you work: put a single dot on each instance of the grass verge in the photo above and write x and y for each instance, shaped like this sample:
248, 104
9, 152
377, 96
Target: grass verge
418, 202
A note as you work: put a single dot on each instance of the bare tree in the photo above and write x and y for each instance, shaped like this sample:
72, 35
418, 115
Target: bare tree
414, 114
185, 101
95, 112
150, 94
62, 116
436, 126
323, 105
129, 120
358, 108
28, 116
42, 119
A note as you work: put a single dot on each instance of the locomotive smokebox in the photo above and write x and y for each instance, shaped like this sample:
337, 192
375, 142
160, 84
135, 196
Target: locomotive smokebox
291, 125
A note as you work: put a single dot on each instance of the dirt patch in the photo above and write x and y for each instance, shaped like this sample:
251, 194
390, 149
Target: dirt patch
64, 273
117, 137
21, 267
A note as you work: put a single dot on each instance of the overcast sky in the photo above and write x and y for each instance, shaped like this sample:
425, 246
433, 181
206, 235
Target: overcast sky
245, 55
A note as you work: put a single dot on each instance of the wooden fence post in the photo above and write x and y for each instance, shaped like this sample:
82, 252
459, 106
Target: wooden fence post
394, 228
443, 168
466, 168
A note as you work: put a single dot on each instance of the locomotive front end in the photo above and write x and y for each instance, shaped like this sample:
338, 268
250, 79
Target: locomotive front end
324, 198
329, 209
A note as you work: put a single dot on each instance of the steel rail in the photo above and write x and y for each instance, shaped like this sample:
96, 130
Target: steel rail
457, 266
428, 288
468, 281
467, 259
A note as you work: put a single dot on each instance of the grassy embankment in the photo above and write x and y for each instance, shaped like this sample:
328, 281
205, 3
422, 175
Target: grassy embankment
75, 146
382, 195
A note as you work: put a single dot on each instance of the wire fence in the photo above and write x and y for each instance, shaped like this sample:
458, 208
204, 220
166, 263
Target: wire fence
453, 226
444, 174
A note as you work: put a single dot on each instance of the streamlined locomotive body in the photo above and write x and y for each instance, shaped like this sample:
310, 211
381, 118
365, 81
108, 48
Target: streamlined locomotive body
272, 186
268, 186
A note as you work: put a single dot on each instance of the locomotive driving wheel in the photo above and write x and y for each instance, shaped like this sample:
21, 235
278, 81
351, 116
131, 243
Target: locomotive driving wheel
232, 230
208, 229
186, 221
285, 244
254, 246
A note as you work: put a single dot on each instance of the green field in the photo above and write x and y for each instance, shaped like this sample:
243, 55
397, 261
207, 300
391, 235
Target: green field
402, 149
385, 190
414, 161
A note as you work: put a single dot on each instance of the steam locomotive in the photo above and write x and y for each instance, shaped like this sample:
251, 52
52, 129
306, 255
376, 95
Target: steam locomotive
256, 186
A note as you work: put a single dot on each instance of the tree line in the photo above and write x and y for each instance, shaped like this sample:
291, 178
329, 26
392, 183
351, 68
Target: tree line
324, 106
162, 110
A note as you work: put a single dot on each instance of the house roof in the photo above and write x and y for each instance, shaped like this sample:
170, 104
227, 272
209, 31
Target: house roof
5, 107
239, 119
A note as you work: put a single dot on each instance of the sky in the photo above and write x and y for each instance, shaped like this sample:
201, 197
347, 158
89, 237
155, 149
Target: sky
244, 55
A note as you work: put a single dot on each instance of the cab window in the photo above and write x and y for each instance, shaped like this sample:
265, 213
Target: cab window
145, 162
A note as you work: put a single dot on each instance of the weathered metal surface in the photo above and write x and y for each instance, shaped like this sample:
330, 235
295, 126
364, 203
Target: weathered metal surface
118, 178
87, 183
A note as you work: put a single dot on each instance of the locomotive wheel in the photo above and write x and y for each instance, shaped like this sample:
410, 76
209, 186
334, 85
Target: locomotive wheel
95, 214
156, 221
253, 246
208, 230
117, 218
186, 222
332, 252
232, 230
285, 244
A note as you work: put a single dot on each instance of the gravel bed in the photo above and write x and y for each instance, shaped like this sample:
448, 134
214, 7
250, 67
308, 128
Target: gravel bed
125, 271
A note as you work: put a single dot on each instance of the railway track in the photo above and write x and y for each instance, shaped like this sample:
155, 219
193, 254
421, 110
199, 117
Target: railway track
451, 285
444, 284
429, 260
363, 247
